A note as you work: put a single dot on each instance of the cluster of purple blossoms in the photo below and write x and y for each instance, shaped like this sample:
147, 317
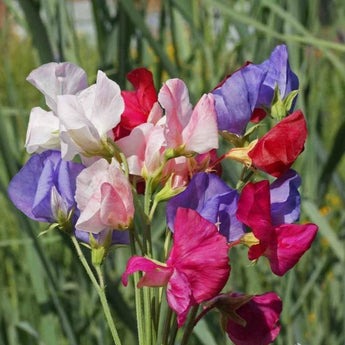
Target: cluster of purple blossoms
155, 143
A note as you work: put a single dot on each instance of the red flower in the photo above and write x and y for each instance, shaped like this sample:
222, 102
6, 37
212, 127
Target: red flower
197, 267
275, 152
138, 103
282, 244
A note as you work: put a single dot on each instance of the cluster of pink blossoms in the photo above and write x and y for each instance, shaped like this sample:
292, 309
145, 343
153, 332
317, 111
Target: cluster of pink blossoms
98, 148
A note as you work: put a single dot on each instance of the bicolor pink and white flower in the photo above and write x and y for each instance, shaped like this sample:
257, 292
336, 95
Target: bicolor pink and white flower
197, 267
143, 148
192, 130
52, 79
104, 198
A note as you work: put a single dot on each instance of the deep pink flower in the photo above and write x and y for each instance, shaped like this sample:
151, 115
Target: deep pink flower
197, 267
261, 317
282, 244
276, 151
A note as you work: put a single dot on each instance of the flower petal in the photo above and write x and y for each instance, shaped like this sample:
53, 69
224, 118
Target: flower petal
54, 79
276, 151
174, 98
236, 97
201, 133
179, 296
155, 275
254, 209
261, 314
193, 237
43, 131
292, 241
285, 198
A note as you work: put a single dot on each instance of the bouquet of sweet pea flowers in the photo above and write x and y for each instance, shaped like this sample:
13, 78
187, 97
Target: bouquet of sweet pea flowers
104, 159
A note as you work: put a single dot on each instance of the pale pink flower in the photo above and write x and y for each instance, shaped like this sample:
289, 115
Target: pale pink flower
193, 130
104, 198
143, 149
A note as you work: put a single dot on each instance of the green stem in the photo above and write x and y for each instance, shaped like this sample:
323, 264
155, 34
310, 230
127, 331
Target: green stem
190, 325
100, 290
153, 209
105, 305
148, 247
148, 316
138, 296
167, 324
85, 263
173, 333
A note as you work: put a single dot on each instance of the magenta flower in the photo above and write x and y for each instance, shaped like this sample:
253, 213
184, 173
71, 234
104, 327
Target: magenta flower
197, 267
282, 244
249, 320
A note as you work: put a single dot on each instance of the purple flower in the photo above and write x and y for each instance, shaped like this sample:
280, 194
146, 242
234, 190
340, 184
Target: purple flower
242, 96
285, 198
44, 188
236, 98
277, 71
213, 200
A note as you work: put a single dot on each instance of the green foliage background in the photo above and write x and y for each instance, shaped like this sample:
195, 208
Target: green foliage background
45, 296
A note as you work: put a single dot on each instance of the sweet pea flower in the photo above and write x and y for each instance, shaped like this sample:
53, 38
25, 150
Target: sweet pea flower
197, 267
182, 169
51, 79
186, 129
276, 151
213, 200
87, 119
44, 188
140, 105
277, 72
283, 244
236, 98
247, 319
246, 94
143, 148
104, 198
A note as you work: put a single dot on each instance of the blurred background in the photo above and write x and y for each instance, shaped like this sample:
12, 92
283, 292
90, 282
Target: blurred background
45, 296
